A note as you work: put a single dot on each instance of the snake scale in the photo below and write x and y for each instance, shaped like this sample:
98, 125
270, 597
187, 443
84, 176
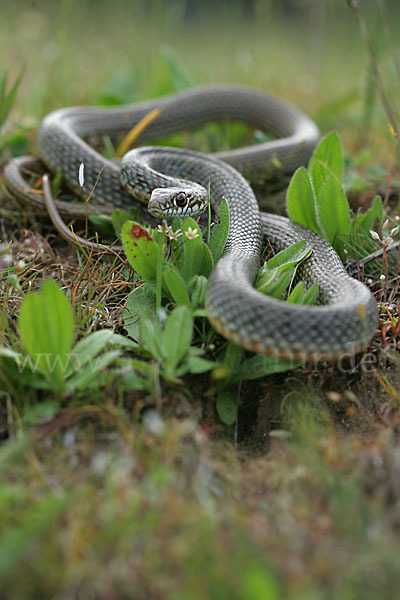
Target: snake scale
344, 319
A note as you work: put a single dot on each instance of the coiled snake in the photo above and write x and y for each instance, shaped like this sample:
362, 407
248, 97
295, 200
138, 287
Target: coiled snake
344, 320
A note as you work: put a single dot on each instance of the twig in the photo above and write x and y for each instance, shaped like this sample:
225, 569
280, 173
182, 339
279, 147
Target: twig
364, 261
66, 233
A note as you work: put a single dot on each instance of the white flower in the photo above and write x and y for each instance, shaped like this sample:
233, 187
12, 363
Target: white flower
382, 277
163, 228
395, 230
173, 235
168, 231
374, 235
191, 234
81, 175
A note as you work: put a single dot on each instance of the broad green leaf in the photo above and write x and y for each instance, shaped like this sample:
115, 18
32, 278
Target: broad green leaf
177, 223
296, 294
198, 291
90, 373
140, 249
319, 173
16, 144
91, 345
289, 257
46, 326
175, 285
221, 231
150, 335
333, 211
266, 279
310, 295
132, 380
195, 365
278, 285
103, 222
118, 218
192, 250
143, 297
233, 357
260, 366
200, 312
300, 200
177, 336
373, 217
227, 409
329, 153
43, 412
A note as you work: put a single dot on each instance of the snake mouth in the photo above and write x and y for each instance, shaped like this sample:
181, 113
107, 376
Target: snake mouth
157, 210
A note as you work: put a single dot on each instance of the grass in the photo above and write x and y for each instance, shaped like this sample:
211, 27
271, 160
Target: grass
115, 492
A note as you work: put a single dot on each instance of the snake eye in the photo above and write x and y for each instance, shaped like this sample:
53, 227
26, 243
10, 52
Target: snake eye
180, 199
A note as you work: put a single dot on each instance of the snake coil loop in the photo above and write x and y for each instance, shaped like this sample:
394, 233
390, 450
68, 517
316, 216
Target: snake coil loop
346, 319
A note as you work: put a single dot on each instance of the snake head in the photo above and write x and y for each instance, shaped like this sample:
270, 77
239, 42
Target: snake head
167, 203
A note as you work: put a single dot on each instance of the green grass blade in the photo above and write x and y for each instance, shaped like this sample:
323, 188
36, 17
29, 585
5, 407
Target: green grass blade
180, 77
207, 264
7, 100
221, 231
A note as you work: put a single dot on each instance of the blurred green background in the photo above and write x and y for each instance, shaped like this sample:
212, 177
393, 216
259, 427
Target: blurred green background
82, 51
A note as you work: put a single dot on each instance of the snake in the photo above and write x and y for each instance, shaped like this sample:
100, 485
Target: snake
174, 181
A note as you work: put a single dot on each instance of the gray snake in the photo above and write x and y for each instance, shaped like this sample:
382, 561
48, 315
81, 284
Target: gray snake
344, 320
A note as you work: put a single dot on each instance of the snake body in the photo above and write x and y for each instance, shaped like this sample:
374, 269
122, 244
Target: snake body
345, 320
